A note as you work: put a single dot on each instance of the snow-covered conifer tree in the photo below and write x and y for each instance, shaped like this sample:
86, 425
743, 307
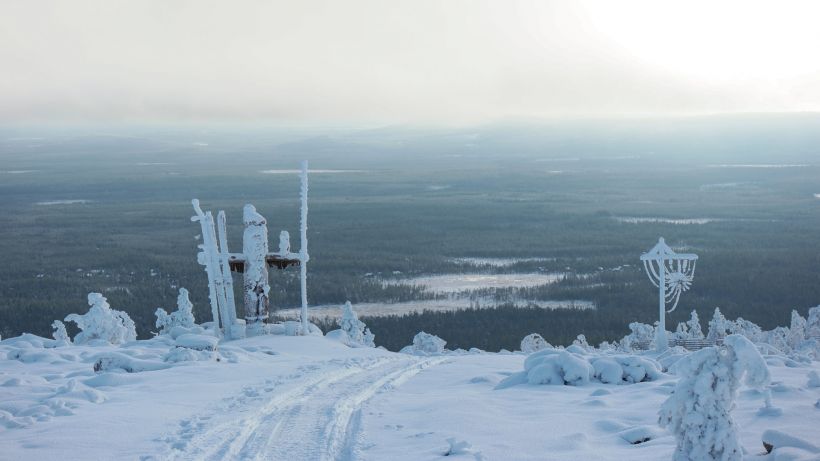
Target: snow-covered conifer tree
699, 410
103, 323
693, 328
797, 330
357, 332
718, 326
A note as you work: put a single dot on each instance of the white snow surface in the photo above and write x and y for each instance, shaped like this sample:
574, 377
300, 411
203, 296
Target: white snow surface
456, 283
310, 398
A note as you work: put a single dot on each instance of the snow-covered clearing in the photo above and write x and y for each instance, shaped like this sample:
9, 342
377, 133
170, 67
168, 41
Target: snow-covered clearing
759, 165
498, 262
658, 220
457, 283
303, 398
292, 171
64, 202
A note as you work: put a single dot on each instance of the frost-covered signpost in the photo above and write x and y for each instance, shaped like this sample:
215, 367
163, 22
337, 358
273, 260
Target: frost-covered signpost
672, 273
253, 263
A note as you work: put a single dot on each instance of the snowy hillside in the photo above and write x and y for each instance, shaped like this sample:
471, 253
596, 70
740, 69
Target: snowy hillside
312, 397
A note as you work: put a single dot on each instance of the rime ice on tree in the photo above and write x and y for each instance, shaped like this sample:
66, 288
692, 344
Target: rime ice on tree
672, 273
699, 410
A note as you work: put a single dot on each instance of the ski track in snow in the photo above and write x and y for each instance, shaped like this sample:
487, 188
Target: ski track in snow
317, 418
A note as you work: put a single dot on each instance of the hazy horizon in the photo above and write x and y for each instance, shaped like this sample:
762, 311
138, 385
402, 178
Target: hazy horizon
372, 63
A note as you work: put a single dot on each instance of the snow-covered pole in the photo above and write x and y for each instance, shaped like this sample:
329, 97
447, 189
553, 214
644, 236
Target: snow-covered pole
671, 281
661, 343
207, 259
228, 313
303, 251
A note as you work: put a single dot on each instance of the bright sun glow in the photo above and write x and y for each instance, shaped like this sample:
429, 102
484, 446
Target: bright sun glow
716, 40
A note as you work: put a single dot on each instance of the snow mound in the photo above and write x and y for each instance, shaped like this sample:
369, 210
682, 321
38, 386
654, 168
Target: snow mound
117, 361
625, 369
577, 367
533, 342
640, 434
103, 323
197, 342
814, 379
790, 447
551, 366
425, 344
292, 328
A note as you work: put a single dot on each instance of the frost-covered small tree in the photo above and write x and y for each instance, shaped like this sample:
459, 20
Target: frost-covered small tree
533, 342
699, 410
747, 328
183, 317
681, 332
60, 334
581, 341
693, 328
357, 332
719, 327
642, 335
425, 344
797, 330
813, 323
778, 338
103, 323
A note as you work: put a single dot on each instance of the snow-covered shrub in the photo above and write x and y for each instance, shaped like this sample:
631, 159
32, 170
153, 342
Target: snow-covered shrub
357, 332
103, 323
625, 369
60, 335
642, 336
746, 328
698, 412
581, 342
551, 366
719, 327
425, 344
533, 342
183, 317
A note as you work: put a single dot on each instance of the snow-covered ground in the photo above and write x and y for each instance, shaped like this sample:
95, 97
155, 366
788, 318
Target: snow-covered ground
457, 283
497, 262
301, 398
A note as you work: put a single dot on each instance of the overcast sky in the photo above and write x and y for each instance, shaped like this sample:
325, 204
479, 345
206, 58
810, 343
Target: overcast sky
416, 61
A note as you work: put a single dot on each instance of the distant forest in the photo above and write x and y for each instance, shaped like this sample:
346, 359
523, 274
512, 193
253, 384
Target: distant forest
409, 208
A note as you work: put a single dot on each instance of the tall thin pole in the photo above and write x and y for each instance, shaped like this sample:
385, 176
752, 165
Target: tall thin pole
303, 251
661, 343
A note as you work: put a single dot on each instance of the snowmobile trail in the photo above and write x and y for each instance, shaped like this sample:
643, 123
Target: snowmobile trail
316, 419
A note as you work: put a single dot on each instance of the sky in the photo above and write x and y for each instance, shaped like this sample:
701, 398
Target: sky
403, 61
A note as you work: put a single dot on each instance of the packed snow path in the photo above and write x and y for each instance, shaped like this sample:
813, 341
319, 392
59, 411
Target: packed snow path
317, 418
